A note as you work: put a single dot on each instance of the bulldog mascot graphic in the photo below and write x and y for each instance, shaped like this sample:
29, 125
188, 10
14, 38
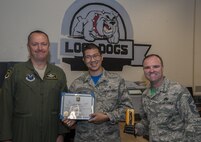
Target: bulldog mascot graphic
97, 25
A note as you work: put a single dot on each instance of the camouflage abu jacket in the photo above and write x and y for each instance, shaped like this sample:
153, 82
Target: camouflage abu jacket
169, 115
111, 97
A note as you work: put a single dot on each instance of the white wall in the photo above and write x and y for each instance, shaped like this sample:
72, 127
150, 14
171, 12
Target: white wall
166, 24
197, 50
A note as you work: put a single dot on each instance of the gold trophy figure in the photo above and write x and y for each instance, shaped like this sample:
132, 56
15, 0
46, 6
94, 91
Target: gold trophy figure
130, 121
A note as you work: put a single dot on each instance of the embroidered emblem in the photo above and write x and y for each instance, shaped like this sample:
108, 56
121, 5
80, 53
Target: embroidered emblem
51, 76
65, 113
30, 77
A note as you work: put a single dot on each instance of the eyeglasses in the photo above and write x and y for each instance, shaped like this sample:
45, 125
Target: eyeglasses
96, 57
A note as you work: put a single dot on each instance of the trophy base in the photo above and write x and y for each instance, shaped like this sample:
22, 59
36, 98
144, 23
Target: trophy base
129, 129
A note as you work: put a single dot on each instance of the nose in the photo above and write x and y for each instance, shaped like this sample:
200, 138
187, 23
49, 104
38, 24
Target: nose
40, 46
92, 58
151, 69
112, 22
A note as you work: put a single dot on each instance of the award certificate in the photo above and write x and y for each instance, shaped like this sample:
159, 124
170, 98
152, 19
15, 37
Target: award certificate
76, 106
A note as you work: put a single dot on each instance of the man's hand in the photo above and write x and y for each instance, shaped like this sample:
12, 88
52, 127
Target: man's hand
60, 138
135, 132
69, 122
98, 117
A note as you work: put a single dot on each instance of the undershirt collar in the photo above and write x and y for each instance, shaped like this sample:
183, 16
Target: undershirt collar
96, 78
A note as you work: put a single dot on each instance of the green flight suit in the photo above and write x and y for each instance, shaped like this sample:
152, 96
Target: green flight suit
29, 106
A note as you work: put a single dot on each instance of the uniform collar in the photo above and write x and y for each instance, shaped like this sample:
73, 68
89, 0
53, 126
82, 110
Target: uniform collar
31, 67
103, 77
162, 88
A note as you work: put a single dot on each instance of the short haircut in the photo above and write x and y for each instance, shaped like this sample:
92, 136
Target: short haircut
153, 55
91, 46
36, 31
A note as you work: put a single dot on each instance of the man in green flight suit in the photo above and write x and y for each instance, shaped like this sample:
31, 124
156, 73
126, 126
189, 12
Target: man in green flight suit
30, 97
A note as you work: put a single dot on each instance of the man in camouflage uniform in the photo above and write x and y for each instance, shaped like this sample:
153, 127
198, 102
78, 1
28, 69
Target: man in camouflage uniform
111, 100
168, 110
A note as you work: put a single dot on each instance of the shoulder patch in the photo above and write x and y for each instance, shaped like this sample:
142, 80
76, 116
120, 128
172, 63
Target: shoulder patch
8, 73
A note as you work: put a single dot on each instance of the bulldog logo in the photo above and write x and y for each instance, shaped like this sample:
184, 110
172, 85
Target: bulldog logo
105, 23
98, 25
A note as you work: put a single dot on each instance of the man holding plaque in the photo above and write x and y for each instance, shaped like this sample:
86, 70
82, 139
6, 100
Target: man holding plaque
110, 95
168, 110
30, 97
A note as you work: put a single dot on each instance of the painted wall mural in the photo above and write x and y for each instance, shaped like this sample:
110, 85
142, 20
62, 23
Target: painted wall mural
105, 23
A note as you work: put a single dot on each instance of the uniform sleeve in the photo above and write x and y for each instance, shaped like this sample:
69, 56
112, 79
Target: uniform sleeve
63, 129
72, 87
124, 102
189, 114
6, 106
64, 83
143, 126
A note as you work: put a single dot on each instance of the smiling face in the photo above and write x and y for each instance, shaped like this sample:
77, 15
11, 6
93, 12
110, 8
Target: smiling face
153, 70
93, 60
38, 46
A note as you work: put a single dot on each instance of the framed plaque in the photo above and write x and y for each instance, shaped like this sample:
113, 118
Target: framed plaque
76, 106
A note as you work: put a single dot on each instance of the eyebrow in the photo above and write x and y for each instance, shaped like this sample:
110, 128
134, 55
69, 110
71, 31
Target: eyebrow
93, 54
153, 66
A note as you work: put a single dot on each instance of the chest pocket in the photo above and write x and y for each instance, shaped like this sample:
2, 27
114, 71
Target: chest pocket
107, 97
164, 107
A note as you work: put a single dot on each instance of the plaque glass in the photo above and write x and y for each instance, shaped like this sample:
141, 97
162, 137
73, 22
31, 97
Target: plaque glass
76, 106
